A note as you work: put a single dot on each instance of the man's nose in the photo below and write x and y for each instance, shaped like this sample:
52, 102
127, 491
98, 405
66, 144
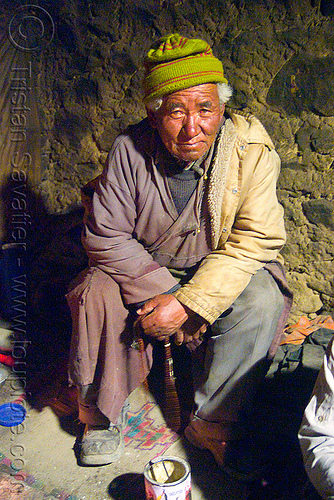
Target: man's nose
190, 126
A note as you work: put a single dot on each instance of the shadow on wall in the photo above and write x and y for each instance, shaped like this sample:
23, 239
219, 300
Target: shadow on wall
40, 255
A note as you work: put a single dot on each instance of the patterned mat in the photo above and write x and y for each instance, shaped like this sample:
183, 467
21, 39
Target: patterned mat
143, 433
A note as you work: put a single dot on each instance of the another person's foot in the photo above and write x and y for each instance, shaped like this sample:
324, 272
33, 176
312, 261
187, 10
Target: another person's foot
101, 445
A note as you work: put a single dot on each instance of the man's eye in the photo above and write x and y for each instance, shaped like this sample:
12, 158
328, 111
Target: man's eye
176, 113
205, 111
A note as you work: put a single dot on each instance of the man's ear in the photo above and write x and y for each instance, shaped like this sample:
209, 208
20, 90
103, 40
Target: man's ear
222, 110
151, 115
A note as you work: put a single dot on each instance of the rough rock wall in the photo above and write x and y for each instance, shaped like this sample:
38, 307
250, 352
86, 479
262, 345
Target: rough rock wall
277, 55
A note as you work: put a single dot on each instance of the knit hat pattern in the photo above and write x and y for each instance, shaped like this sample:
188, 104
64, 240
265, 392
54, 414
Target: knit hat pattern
176, 63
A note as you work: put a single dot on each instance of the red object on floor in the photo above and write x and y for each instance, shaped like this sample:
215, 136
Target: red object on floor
297, 333
7, 360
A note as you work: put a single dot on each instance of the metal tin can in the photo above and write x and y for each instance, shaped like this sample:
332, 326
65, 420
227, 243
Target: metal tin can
167, 478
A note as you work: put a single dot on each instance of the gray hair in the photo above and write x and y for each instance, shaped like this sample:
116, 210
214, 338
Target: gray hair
225, 92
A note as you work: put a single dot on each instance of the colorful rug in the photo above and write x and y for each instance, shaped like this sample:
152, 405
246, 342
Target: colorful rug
143, 433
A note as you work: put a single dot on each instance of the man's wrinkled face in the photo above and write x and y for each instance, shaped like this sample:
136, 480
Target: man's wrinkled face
188, 121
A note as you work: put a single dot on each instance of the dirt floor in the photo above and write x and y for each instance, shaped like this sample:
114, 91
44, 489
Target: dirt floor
38, 459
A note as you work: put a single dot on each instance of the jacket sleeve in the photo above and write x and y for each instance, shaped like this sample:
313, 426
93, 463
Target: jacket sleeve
108, 236
316, 434
251, 237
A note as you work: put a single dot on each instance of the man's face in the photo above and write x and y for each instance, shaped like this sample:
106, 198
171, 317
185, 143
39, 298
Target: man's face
188, 121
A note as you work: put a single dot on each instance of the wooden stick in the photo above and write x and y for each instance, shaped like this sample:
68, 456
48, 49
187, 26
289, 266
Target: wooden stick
172, 408
171, 400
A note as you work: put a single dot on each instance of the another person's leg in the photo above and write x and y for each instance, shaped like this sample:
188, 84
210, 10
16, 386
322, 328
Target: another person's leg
103, 365
235, 362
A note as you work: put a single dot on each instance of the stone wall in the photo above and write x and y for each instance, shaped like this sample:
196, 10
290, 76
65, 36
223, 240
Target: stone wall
277, 55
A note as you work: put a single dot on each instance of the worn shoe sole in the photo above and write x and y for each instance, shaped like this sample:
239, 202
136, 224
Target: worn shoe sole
94, 445
103, 459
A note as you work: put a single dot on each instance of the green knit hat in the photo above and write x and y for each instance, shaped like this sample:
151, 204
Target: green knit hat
176, 63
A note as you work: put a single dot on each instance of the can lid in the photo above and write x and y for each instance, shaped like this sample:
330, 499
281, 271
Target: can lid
166, 471
12, 414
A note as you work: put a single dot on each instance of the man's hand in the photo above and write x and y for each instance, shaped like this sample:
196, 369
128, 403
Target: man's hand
163, 316
191, 329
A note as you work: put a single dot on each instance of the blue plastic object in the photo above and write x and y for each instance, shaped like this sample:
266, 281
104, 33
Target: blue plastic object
12, 414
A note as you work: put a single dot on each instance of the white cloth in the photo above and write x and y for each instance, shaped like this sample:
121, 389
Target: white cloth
316, 434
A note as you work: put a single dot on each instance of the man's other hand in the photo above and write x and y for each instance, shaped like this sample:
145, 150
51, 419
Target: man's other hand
163, 316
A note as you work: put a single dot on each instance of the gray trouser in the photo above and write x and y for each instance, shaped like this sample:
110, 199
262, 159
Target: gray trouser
235, 354
107, 370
